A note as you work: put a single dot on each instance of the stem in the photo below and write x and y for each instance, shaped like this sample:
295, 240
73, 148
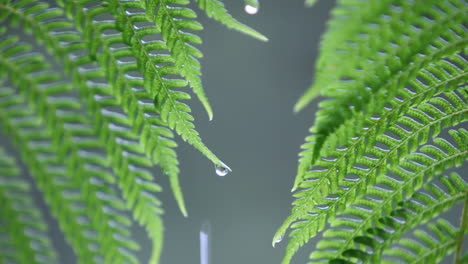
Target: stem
463, 228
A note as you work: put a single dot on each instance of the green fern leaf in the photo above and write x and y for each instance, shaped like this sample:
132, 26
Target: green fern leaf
395, 72
65, 132
385, 72
174, 24
167, 100
216, 10
428, 248
344, 178
23, 231
92, 140
127, 159
444, 75
361, 226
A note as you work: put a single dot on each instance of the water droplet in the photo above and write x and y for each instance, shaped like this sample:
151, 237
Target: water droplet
278, 240
221, 171
252, 10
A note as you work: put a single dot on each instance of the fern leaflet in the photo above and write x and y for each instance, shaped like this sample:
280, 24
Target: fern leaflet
429, 247
23, 231
72, 144
216, 10
395, 75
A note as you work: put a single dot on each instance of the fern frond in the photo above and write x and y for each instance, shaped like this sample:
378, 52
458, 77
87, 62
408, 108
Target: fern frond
385, 73
70, 136
361, 226
430, 247
154, 69
127, 139
347, 19
175, 21
443, 75
216, 10
362, 34
23, 231
335, 183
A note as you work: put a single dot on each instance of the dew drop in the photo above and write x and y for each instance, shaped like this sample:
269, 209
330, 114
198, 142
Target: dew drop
278, 240
221, 171
252, 10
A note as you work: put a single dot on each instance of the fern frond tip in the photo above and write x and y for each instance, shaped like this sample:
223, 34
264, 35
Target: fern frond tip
215, 9
305, 99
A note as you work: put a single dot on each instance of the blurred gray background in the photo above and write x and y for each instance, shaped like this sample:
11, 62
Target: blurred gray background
252, 87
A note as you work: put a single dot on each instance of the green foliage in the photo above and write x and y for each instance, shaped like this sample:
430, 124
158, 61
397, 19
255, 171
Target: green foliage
394, 74
21, 222
215, 9
92, 106
440, 241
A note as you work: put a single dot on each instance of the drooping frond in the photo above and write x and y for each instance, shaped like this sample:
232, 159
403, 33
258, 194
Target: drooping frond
364, 234
127, 154
376, 66
395, 72
444, 75
23, 230
216, 10
427, 247
335, 183
177, 26
125, 64
58, 144
156, 68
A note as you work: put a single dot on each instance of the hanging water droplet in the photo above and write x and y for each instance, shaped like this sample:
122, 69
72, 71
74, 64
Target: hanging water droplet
252, 10
221, 171
278, 240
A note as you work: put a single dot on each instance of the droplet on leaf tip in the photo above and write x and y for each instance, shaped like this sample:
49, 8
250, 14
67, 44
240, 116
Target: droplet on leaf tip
278, 240
221, 171
252, 10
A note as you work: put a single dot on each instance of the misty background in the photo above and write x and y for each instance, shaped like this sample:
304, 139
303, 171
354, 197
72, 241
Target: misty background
252, 87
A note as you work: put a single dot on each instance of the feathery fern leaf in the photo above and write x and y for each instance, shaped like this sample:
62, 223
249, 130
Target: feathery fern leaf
443, 75
354, 227
386, 72
23, 231
154, 69
175, 22
336, 183
430, 247
89, 142
396, 75
216, 10
128, 160
71, 139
